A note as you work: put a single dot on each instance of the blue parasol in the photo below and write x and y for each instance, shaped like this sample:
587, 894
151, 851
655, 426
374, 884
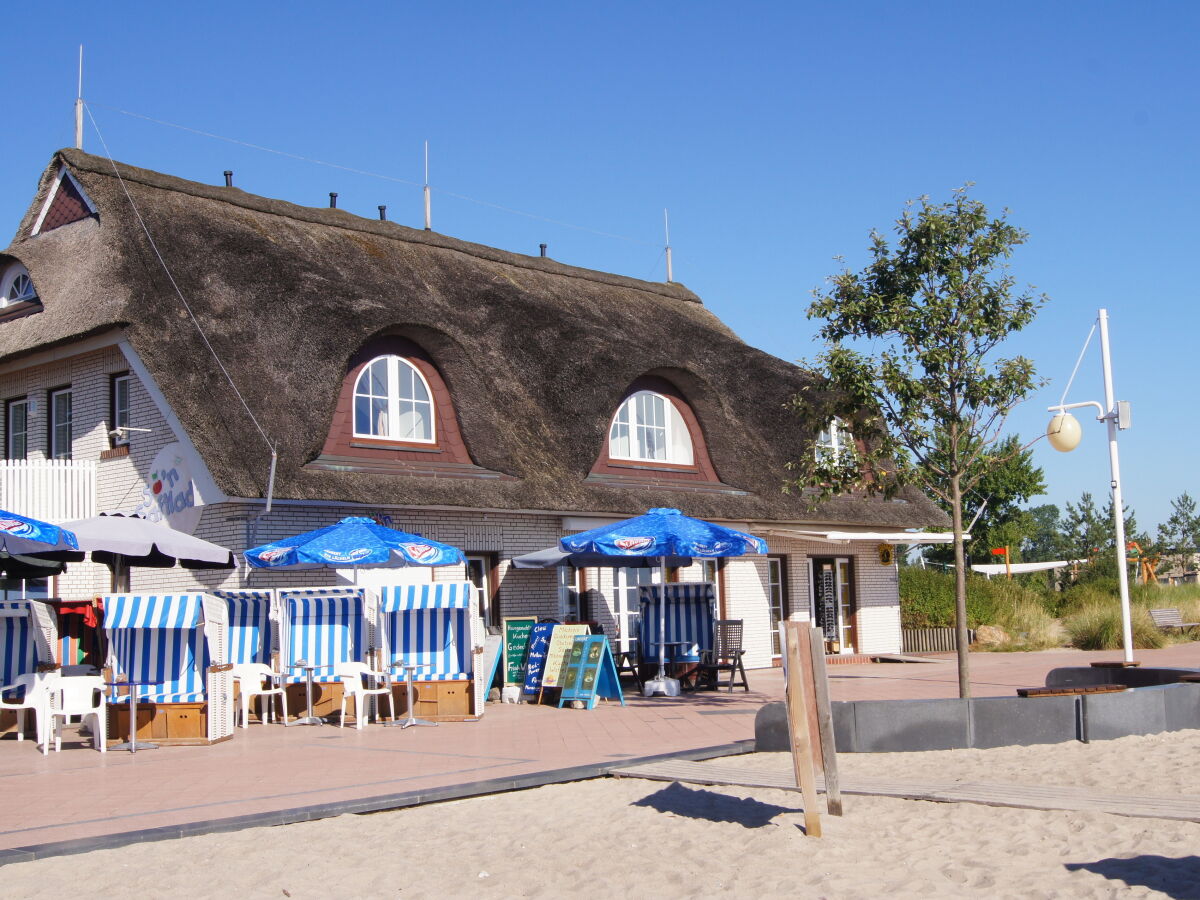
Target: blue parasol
22, 535
353, 543
663, 533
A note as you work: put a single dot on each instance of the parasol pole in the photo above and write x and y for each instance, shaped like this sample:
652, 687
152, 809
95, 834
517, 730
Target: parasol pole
662, 622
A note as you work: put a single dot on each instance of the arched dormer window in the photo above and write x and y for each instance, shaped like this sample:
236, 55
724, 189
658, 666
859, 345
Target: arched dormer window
649, 428
393, 402
655, 440
17, 293
835, 443
395, 414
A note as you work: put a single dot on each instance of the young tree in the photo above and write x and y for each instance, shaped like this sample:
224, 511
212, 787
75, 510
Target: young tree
925, 399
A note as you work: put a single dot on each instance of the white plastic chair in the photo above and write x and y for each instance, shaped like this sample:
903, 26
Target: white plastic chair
258, 680
37, 687
83, 696
352, 676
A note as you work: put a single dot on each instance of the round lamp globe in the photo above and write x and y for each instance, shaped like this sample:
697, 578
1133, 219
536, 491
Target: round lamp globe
1064, 432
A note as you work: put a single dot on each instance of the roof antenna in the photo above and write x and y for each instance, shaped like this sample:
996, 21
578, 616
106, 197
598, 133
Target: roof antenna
428, 218
79, 105
667, 229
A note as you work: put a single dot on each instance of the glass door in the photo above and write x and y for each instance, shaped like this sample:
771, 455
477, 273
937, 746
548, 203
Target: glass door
479, 572
833, 606
777, 597
627, 609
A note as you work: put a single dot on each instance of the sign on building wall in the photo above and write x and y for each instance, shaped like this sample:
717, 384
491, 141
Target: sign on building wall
170, 493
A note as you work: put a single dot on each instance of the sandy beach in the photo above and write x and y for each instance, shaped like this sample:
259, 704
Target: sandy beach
622, 837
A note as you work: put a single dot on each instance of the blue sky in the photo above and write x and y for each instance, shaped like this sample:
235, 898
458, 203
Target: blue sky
777, 134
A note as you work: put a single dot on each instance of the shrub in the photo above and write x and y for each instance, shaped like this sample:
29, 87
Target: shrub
1095, 624
927, 599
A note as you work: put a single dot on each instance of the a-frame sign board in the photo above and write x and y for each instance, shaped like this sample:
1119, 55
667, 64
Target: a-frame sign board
590, 672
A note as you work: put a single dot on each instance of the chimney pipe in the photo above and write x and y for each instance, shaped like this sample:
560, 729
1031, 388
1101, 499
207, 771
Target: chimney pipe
333, 199
542, 247
383, 214
229, 178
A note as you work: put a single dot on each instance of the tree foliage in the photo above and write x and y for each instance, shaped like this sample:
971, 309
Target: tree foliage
1179, 536
926, 399
1009, 479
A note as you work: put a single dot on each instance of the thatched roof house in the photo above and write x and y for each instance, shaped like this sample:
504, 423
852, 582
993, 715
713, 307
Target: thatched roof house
535, 356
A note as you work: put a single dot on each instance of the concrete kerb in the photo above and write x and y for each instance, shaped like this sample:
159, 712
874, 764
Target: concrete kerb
879, 726
364, 805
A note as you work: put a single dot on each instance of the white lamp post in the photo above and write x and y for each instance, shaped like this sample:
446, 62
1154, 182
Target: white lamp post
1064, 434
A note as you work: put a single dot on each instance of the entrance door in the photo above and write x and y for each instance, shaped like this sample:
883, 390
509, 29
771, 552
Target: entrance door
833, 606
627, 608
480, 572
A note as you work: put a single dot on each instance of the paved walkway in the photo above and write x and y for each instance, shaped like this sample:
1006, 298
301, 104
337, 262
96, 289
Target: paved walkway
79, 799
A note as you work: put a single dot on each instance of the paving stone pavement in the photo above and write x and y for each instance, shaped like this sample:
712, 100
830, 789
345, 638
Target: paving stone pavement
80, 799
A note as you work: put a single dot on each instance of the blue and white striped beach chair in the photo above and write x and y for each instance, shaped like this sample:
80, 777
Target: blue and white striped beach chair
436, 626
18, 654
250, 631
690, 612
322, 626
172, 641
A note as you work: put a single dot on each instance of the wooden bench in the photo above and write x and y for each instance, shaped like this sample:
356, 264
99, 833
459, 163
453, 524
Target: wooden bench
1068, 691
1166, 619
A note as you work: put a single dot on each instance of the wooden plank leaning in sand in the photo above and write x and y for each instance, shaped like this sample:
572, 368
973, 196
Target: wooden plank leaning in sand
1019, 796
799, 702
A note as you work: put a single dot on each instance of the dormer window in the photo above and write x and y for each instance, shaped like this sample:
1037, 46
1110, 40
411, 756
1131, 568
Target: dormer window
648, 428
392, 402
835, 443
16, 291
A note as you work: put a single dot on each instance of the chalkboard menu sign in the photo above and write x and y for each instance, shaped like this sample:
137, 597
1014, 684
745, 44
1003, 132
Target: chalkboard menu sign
828, 603
590, 672
535, 656
516, 644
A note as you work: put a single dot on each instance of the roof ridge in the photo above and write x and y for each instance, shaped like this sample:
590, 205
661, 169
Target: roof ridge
339, 218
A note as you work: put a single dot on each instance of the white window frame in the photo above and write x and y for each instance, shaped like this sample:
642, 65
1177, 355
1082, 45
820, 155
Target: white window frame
650, 423
835, 443
120, 415
15, 274
55, 424
396, 365
22, 402
62, 174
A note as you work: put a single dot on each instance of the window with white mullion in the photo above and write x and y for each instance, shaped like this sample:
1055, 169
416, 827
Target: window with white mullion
835, 443
60, 424
648, 427
392, 401
16, 432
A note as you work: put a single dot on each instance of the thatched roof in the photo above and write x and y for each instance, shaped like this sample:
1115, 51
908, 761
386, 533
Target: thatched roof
537, 354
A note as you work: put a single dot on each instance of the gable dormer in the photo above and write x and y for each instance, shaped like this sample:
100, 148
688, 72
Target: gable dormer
66, 203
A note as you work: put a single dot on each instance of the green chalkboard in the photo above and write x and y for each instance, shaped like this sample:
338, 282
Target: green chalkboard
516, 645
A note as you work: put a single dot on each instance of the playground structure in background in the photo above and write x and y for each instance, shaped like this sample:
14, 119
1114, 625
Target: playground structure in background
1146, 565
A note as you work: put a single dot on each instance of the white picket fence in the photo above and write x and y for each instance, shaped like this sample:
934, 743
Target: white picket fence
53, 490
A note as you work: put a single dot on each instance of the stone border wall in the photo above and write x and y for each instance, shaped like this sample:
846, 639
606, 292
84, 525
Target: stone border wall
883, 726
